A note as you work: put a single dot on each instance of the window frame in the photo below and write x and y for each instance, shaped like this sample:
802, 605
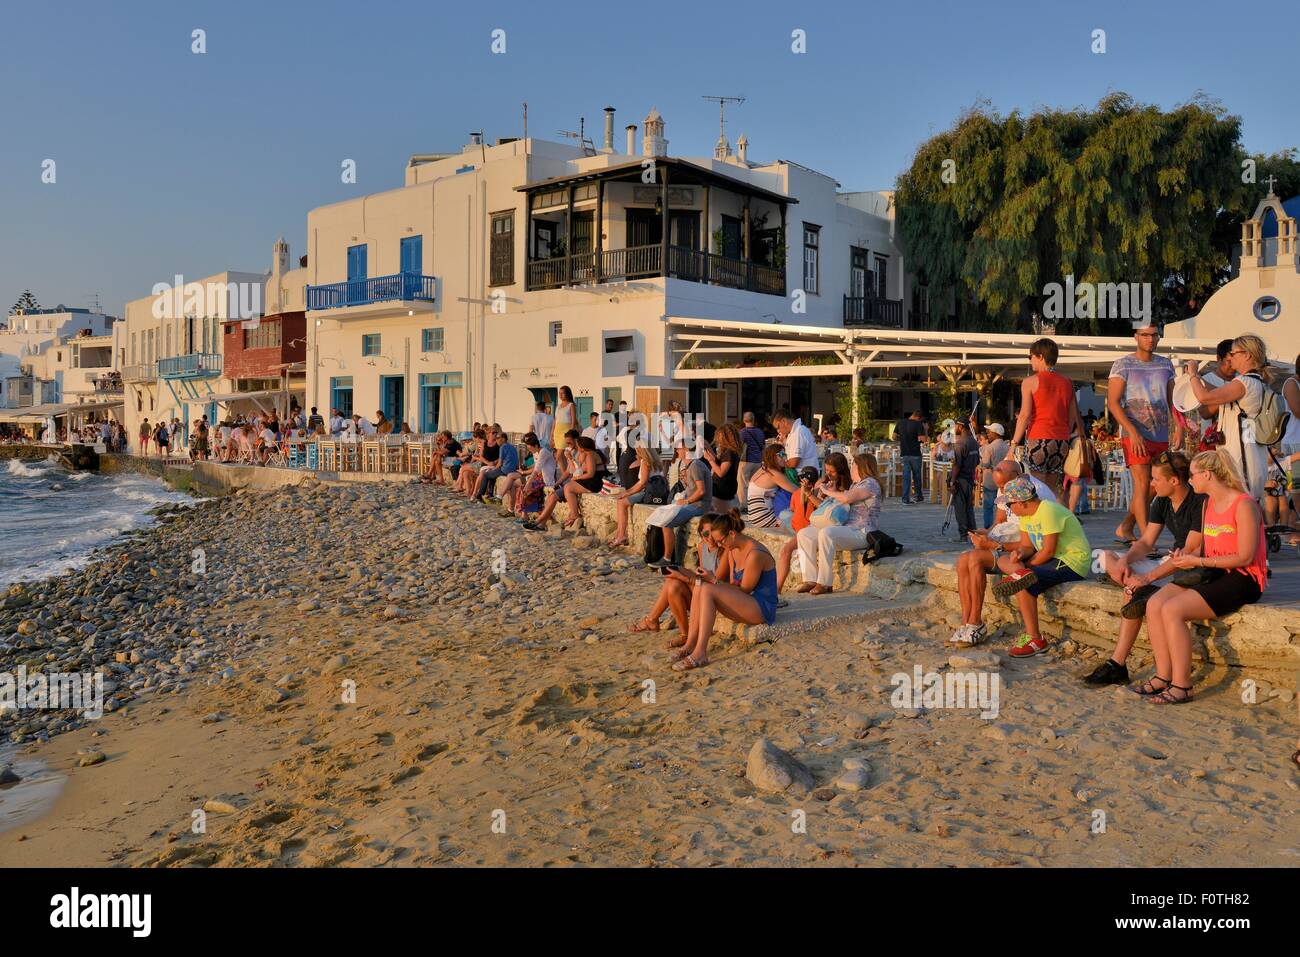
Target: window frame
501, 271
425, 335
366, 344
812, 246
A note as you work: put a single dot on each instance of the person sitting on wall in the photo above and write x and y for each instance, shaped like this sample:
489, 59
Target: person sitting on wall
507, 463
567, 465
632, 494
693, 501
1175, 507
530, 489
680, 586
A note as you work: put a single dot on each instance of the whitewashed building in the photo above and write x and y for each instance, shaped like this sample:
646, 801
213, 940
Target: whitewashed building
501, 272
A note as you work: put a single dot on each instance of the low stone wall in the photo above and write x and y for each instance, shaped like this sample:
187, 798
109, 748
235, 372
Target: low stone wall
27, 453
181, 479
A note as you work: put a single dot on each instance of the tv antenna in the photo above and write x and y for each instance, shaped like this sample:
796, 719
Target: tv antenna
722, 102
587, 146
94, 302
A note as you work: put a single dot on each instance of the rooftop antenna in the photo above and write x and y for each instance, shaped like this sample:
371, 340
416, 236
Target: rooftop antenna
722, 102
94, 303
587, 146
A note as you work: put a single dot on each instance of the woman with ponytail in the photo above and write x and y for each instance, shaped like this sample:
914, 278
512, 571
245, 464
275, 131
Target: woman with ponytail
743, 589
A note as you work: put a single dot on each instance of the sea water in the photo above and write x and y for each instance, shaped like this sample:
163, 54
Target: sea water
51, 519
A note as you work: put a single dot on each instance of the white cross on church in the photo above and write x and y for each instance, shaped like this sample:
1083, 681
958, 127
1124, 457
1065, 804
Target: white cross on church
1271, 180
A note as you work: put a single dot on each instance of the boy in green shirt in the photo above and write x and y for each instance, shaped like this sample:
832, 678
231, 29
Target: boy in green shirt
1053, 550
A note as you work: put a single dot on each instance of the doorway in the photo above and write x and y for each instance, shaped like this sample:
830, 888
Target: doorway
392, 399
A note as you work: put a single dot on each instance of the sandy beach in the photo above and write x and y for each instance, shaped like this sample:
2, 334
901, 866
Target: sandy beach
386, 675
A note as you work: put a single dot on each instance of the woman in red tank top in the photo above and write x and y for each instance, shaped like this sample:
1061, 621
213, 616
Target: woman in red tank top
1231, 555
1048, 416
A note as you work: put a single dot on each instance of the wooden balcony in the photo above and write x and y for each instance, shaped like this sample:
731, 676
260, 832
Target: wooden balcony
644, 262
873, 312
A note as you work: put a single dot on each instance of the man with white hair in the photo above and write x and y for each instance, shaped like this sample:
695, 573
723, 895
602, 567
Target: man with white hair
993, 451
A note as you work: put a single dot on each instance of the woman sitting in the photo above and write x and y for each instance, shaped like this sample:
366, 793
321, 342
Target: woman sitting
743, 589
817, 546
588, 480
764, 486
1233, 572
536, 479
467, 477
633, 494
679, 586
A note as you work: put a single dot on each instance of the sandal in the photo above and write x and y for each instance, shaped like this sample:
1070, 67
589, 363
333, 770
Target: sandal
1295, 758
820, 589
688, 663
616, 543
1165, 697
805, 588
642, 625
679, 655
1146, 690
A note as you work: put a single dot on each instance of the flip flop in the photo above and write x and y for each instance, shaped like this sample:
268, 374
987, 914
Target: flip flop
688, 663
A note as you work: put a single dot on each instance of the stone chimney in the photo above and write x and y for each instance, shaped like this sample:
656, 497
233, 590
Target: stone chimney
609, 129
742, 149
653, 142
631, 139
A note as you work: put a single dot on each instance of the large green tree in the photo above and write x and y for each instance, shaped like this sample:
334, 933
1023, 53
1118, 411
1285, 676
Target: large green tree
997, 207
26, 302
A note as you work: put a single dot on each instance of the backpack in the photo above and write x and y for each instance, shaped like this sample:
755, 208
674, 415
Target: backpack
880, 545
654, 544
655, 491
1269, 424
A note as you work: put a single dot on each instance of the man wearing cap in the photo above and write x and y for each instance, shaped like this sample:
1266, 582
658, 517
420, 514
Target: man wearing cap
986, 554
993, 451
1052, 550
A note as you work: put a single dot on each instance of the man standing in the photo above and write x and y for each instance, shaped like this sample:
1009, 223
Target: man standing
800, 446
992, 452
966, 457
1139, 397
543, 424
314, 422
337, 425
753, 441
596, 432
909, 432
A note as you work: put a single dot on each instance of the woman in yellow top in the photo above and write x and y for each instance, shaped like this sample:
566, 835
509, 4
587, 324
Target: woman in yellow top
566, 416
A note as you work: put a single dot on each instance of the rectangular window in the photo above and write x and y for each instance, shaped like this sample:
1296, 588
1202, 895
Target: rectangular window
503, 249
412, 254
557, 330
857, 272
882, 272
431, 340
370, 344
811, 258
619, 344
264, 335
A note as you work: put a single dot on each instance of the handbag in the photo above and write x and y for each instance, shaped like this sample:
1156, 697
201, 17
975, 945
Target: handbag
829, 513
1075, 459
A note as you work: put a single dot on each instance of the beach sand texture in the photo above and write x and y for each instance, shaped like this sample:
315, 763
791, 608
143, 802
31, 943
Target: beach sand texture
519, 729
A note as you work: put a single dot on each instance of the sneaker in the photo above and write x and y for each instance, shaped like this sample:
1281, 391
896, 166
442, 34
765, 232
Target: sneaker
1108, 673
1136, 606
659, 563
1027, 647
1013, 583
973, 635
959, 635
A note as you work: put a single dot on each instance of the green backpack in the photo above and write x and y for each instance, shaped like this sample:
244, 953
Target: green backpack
1269, 424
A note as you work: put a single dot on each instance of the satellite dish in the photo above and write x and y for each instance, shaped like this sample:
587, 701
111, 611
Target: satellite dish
61, 307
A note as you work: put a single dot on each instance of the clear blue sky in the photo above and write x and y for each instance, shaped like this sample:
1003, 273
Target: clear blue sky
173, 162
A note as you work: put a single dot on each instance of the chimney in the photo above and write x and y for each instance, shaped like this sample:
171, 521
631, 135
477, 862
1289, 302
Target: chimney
609, 129
631, 139
742, 149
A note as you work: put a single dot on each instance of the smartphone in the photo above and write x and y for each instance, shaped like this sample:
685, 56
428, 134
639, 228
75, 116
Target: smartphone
669, 569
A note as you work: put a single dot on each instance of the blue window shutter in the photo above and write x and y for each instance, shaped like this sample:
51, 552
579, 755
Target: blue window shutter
413, 254
357, 262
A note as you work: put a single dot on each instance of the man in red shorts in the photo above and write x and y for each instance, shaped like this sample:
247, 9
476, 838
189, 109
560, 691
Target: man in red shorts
1139, 397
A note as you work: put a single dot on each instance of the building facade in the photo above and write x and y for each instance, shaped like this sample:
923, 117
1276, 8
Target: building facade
498, 274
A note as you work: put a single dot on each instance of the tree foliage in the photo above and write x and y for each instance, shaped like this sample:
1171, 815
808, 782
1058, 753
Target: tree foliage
1123, 193
26, 302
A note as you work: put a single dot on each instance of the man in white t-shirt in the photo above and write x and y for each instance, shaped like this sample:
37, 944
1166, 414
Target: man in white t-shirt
800, 446
337, 425
265, 443
363, 425
597, 433
543, 425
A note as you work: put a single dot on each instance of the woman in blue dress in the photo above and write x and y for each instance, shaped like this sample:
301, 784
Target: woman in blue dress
743, 589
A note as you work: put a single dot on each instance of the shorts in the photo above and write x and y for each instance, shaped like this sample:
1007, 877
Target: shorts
672, 516
1046, 455
1050, 574
1229, 592
636, 498
1153, 450
592, 484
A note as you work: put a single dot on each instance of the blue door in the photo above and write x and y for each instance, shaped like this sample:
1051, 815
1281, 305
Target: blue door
584, 409
413, 254
392, 394
341, 395
430, 403
357, 262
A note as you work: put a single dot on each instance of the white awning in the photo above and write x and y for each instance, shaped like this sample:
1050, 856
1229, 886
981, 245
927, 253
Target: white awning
36, 413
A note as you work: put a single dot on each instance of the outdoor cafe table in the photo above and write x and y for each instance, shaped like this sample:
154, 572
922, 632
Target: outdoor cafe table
939, 472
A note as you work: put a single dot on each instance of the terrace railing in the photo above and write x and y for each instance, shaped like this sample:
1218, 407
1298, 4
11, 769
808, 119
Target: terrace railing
140, 372
191, 366
643, 262
399, 287
873, 311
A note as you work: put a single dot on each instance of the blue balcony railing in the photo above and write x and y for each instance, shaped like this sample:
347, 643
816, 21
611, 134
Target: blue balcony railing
196, 365
400, 287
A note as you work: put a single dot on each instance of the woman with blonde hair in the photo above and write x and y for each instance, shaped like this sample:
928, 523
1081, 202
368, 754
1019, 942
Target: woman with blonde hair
818, 546
566, 417
1240, 400
625, 499
1230, 572
725, 465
